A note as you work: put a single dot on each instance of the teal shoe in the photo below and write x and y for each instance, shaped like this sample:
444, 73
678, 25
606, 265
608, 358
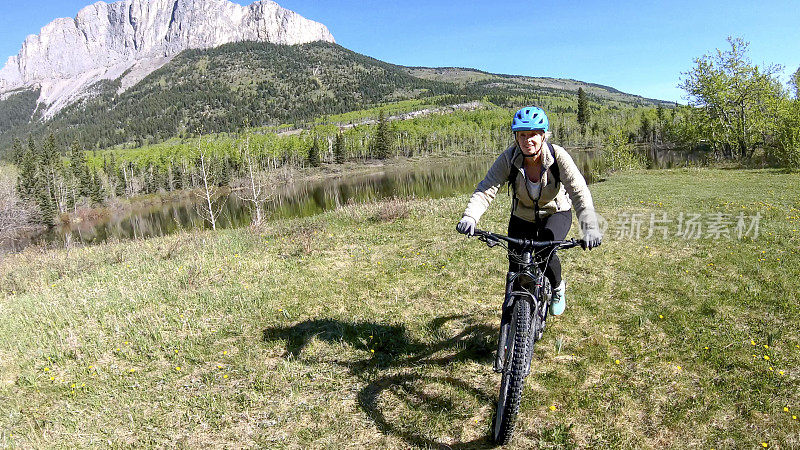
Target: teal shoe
559, 301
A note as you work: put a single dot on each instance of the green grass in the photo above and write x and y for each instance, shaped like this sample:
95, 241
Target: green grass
375, 326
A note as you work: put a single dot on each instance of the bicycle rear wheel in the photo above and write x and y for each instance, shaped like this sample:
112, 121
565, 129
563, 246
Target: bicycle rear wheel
513, 381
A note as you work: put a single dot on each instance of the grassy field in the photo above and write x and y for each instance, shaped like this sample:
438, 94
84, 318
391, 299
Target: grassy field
375, 326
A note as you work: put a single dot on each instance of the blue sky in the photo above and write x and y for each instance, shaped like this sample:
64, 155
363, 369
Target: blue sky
640, 47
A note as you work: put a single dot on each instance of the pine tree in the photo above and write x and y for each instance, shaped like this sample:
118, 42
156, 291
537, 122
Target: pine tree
382, 143
47, 206
313, 154
26, 186
177, 177
16, 152
338, 149
97, 194
583, 110
80, 169
119, 189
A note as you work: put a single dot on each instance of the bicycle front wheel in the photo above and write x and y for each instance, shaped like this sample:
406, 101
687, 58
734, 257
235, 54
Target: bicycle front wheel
513, 381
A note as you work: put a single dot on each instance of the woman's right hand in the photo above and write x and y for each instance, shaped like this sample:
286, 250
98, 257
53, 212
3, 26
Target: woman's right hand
466, 226
591, 239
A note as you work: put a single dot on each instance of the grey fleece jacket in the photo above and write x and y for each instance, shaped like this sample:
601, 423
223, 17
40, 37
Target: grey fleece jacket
554, 197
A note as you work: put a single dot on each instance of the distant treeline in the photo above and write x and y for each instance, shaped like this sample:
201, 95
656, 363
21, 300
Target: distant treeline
60, 179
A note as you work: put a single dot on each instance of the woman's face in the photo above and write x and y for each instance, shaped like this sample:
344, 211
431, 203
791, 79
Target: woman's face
530, 142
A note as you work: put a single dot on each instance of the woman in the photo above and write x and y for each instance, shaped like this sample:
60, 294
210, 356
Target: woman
546, 184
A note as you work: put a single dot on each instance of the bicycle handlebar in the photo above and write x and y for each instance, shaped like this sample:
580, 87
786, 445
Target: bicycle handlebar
528, 244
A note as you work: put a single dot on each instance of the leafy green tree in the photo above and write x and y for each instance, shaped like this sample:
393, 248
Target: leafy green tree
794, 83
786, 150
583, 110
738, 99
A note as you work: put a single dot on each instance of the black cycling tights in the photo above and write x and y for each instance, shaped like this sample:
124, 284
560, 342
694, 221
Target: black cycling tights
553, 228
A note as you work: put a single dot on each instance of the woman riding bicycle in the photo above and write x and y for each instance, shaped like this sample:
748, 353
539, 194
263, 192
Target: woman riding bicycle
541, 175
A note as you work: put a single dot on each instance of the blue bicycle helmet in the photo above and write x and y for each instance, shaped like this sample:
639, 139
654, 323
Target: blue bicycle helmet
530, 118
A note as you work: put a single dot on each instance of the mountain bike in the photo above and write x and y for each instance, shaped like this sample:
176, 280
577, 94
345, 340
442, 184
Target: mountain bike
527, 301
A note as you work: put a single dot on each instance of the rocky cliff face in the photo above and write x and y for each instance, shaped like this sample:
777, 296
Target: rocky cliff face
132, 38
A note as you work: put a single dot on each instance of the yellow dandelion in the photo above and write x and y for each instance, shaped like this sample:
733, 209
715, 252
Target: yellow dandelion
753, 342
372, 350
219, 366
705, 348
766, 357
679, 367
225, 376
132, 370
786, 408
176, 352
47, 369
616, 361
52, 378
660, 316
780, 372
178, 369
766, 346
764, 444
83, 384
73, 387
770, 369
91, 367
552, 407
794, 417
224, 352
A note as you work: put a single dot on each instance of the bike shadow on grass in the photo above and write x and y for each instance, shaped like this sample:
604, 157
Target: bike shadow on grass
391, 347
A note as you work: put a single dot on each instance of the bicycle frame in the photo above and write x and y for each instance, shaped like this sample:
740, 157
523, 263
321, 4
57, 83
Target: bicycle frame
527, 283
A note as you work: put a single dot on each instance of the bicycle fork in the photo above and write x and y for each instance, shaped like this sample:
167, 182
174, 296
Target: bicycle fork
505, 324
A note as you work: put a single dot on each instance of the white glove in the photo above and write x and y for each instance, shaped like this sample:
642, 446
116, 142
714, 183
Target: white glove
466, 226
591, 239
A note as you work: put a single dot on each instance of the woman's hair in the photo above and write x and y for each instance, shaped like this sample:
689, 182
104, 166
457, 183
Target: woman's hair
547, 136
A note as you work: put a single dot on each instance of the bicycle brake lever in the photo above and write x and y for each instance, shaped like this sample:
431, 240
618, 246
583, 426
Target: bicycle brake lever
489, 242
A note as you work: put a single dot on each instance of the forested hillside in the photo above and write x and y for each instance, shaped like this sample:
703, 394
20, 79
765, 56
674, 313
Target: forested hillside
258, 84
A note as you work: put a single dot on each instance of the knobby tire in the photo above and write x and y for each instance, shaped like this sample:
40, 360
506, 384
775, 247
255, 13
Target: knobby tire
513, 381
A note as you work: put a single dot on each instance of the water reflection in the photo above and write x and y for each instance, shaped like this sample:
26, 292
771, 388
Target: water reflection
435, 179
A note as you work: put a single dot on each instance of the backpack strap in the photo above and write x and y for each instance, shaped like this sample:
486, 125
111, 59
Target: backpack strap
554, 169
512, 178
512, 186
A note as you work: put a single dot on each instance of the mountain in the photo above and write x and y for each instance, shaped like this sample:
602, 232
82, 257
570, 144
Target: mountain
223, 88
127, 40
155, 70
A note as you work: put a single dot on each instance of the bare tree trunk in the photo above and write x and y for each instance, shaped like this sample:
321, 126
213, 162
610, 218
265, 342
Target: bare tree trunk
259, 186
207, 209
